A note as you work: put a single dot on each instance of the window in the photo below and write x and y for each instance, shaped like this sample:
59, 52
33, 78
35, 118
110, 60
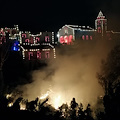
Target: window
30, 54
61, 39
24, 35
38, 54
47, 54
47, 39
91, 38
27, 40
37, 39
99, 29
83, 37
86, 37
66, 39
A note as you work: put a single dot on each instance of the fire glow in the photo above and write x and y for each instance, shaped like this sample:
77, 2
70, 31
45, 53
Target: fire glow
56, 100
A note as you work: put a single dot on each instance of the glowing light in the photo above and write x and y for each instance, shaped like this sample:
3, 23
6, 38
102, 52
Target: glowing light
22, 106
10, 104
8, 96
45, 95
15, 46
57, 102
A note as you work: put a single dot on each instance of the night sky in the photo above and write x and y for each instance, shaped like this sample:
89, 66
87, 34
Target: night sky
50, 15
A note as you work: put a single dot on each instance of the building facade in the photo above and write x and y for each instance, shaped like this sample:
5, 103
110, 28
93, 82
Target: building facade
42, 46
68, 34
32, 47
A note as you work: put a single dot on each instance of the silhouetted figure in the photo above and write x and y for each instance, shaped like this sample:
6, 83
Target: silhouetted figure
88, 113
81, 114
73, 105
31, 106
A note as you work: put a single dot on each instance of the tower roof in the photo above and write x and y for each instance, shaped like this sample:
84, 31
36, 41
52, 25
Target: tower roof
100, 15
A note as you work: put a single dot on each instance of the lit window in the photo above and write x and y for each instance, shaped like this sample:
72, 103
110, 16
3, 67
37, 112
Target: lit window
83, 37
37, 39
86, 37
47, 39
91, 38
47, 54
99, 29
24, 35
30, 54
38, 54
66, 39
61, 39
27, 40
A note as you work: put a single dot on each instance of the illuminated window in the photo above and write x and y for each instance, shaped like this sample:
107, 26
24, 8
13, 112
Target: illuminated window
38, 54
47, 54
61, 39
37, 39
91, 38
86, 37
66, 39
47, 39
24, 35
27, 40
30, 54
99, 29
83, 37
70, 39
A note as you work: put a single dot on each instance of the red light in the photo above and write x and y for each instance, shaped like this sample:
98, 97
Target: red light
83, 37
47, 39
86, 37
27, 40
29, 55
38, 54
90, 37
61, 39
24, 35
37, 39
47, 54
99, 29
66, 39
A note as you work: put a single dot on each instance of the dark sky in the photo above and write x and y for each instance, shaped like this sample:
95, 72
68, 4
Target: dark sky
50, 15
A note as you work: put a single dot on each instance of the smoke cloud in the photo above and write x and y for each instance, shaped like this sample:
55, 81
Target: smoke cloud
72, 74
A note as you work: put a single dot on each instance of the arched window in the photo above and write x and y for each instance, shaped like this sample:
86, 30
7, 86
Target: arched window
83, 37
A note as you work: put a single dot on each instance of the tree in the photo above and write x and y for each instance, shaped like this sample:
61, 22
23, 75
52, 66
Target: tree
109, 76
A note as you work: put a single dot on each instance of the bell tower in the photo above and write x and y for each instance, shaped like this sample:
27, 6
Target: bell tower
101, 23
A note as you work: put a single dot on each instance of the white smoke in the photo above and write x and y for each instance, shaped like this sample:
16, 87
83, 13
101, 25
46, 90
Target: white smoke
73, 74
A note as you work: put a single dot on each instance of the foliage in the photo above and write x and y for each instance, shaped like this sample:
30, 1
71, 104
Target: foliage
109, 76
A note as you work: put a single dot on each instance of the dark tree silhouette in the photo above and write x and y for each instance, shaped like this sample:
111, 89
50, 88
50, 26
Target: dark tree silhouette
109, 78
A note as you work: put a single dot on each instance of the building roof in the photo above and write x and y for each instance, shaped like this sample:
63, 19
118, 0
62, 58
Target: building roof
77, 27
